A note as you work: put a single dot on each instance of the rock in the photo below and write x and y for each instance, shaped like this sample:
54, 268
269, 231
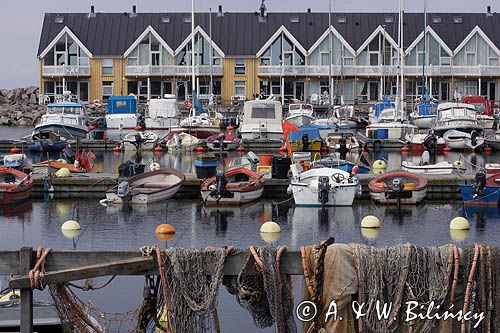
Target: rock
25, 122
31, 90
33, 99
24, 96
10, 95
18, 115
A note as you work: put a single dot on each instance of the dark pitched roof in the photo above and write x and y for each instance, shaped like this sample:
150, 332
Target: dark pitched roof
242, 34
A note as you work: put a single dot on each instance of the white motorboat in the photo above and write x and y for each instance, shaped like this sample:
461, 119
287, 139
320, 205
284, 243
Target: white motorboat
345, 115
322, 187
462, 140
339, 139
424, 115
493, 141
440, 168
484, 110
140, 141
181, 141
456, 116
162, 113
300, 109
262, 120
146, 188
65, 118
301, 119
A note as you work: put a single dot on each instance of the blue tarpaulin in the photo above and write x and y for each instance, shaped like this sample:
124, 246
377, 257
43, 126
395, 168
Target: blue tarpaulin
312, 133
122, 105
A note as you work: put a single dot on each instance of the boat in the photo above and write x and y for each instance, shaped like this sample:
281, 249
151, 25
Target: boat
15, 186
336, 163
79, 163
424, 115
65, 118
262, 120
345, 116
146, 188
162, 113
485, 191
300, 109
483, 108
493, 141
323, 187
458, 140
301, 119
398, 187
492, 168
420, 141
378, 108
223, 141
15, 161
140, 141
47, 141
305, 139
235, 187
456, 116
181, 141
440, 168
342, 140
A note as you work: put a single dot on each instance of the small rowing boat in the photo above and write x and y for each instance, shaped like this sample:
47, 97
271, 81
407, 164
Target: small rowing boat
485, 191
235, 187
440, 168
15, 186
398, 187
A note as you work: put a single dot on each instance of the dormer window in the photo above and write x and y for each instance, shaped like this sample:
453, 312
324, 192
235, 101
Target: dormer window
436, 19
389, 19
294, 19
342, 19
187, 19
59, 19
165, 19
457, 19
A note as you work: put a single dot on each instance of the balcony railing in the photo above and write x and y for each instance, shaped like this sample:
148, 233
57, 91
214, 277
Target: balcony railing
66, 70
203, 70
363, 70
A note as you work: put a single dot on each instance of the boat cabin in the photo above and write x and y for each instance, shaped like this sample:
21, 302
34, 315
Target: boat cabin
262, 111
456, 111
480, 103
122, 105
163, 108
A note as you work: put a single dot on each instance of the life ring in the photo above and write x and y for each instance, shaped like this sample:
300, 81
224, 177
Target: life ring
187, 104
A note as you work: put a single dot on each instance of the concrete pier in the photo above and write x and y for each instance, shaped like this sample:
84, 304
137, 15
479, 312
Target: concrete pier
93, 185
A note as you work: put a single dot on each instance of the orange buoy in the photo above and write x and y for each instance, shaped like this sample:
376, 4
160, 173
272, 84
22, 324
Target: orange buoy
199, 148
116, 149
240, 149
91, 127
158, 149
230, 128
165, 232
282, 149
447, 149
138, 128
15, 150
487, 149
405, 149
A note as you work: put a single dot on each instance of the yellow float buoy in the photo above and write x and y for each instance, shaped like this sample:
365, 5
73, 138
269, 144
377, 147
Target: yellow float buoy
370, 221
459, 235
165, 232
62, 173
70, 225
154, 166
270, 237
370, 233
379, 164
270, 227
71, 234
459, 223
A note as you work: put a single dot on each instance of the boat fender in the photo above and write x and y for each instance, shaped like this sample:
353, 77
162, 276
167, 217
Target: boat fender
103, 202
458, 163
252, 157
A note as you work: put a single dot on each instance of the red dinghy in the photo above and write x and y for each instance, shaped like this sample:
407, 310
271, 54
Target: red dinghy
15, 186
393, 186
236, 187
229, 142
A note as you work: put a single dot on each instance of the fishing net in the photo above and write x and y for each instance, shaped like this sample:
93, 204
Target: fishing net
266, 293
396, 275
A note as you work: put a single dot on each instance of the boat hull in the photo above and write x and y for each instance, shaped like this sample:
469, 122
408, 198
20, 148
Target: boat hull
433, 169
142, 198
252, 135
412, 198
201, 132
237, 197
491, 196
423, 121
15, 196
66, 131
303, 195
46, 146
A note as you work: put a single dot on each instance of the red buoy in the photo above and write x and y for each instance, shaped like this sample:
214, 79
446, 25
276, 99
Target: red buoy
199, 148
158, 149
138, 128
116, 149
447, 149
15, 150
230, 128
282, 149
240, 149
487, 149
405, 149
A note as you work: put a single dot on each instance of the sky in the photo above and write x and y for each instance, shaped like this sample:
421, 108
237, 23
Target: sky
21, 21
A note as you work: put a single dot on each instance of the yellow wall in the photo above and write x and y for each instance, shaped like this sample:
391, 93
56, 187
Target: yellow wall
97, 78
229, 77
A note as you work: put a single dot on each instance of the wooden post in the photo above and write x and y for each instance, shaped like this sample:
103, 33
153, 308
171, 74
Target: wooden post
25, 259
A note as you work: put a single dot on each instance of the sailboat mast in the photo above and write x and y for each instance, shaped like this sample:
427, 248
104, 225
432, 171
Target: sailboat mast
330, 60
398, 84
424, 63
401, 58
211, 57
193, 57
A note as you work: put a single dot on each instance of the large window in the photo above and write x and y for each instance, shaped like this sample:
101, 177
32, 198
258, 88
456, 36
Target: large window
107, 90
240, 88
379, 52
107, 66
201, 52
282, 52
149, 52
239, 66
66, 52
263, 111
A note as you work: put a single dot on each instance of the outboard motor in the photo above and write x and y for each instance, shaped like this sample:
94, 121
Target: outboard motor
430, 143
69, 155
397, 186
177, 141
137, 141
473, 138
253, 159
479, 184
124, 191
221, 182
305, 142
343, 146
323, 189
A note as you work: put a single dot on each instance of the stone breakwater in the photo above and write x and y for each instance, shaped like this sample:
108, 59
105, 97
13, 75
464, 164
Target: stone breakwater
19, 107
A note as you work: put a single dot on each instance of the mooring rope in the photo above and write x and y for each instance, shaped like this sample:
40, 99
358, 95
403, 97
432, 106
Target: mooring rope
35, 275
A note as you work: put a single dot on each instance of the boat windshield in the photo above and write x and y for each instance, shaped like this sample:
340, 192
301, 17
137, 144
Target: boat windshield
263, 111
458, 112
480, 107
64, 109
